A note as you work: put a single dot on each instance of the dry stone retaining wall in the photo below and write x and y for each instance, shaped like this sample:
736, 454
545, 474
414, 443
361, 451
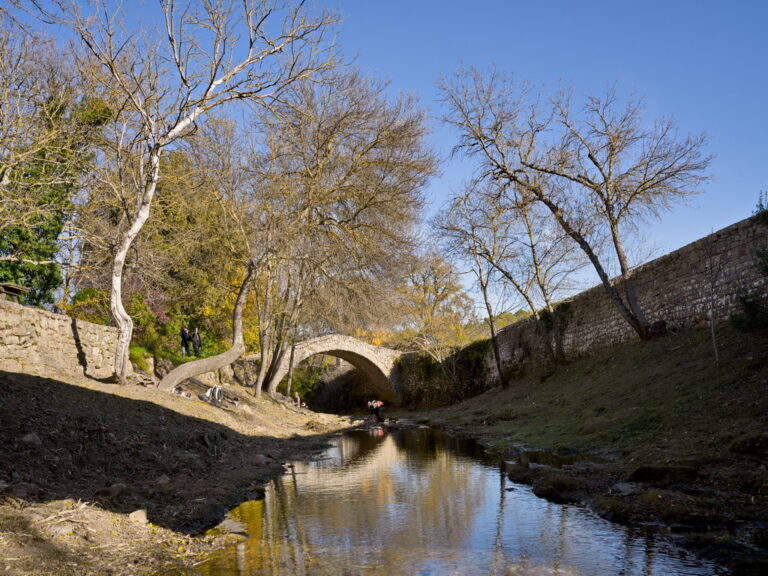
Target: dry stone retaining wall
675, 289
41, 343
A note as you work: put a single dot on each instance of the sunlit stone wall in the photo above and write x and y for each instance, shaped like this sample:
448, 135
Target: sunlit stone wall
41, 343
677, 288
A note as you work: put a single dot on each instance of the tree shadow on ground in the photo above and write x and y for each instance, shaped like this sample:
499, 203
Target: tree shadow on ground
63, 441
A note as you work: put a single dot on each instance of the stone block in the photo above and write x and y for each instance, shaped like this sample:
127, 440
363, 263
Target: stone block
11, 365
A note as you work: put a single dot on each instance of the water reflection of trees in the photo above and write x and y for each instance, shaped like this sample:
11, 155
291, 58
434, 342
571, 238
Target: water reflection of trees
385, 507
411, 504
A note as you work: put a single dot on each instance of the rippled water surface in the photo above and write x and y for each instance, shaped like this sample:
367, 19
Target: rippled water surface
416, 502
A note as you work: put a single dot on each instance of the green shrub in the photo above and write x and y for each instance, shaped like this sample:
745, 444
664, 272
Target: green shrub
754, 313
754, 307
138, 356
472, 368
420, 366
427, 383
303, 380
91, 305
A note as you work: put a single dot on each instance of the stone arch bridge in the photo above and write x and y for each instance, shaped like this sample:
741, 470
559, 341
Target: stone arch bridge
376, 363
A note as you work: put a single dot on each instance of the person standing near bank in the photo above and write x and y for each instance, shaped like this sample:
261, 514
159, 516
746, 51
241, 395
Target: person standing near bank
196, 341
185, 338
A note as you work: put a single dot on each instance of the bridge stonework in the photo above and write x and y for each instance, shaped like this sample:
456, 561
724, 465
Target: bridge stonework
377, 364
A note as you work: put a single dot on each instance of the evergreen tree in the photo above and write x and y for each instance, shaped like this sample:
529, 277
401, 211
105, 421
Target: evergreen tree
49, 177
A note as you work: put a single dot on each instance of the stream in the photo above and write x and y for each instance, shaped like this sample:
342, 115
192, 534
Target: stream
419, 502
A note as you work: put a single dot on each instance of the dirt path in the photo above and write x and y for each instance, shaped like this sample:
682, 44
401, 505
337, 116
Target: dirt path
103, 479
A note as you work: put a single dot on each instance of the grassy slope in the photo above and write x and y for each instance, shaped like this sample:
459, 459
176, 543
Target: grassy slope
663, 403
648, 402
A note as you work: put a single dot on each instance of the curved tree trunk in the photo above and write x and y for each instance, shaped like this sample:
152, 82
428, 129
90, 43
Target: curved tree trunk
289, 384
121, 316
495, 343
280, 346
265, 358
265, 332
197, 367
257, 386
525, 293
277, 360
626, 275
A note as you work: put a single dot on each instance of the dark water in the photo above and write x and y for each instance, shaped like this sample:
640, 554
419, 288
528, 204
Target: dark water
416, 502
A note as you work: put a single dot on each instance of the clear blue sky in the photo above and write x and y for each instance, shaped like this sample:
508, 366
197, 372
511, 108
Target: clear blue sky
702, 62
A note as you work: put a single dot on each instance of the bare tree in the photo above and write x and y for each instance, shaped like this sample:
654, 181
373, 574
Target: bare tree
162, 84
227, 243
342, 172
45, 119
493, 225
24, 129
709, 266
470, 241
197, 367
598, 169
322, 207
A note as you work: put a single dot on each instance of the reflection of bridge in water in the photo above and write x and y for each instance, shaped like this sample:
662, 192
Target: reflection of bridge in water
349, 465
369, 496
387, 501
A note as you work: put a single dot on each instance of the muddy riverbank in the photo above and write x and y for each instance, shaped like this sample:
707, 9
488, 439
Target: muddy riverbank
102, 479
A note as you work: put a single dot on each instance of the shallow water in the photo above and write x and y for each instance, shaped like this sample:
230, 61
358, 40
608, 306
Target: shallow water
417, 502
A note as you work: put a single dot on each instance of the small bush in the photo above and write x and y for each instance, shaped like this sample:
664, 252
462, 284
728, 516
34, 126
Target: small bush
754, 314
427, 383
754, 307
91, 305
473, 359
138, 356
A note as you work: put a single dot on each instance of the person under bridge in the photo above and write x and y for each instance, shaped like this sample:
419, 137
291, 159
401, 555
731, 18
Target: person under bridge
377, 409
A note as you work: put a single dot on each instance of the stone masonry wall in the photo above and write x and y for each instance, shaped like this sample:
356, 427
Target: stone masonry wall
675, 289
41, 343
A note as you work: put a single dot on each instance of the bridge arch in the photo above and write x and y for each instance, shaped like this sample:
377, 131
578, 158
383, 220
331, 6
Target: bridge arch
375, 362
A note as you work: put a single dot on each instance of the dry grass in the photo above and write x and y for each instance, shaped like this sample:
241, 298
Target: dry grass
647, 402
